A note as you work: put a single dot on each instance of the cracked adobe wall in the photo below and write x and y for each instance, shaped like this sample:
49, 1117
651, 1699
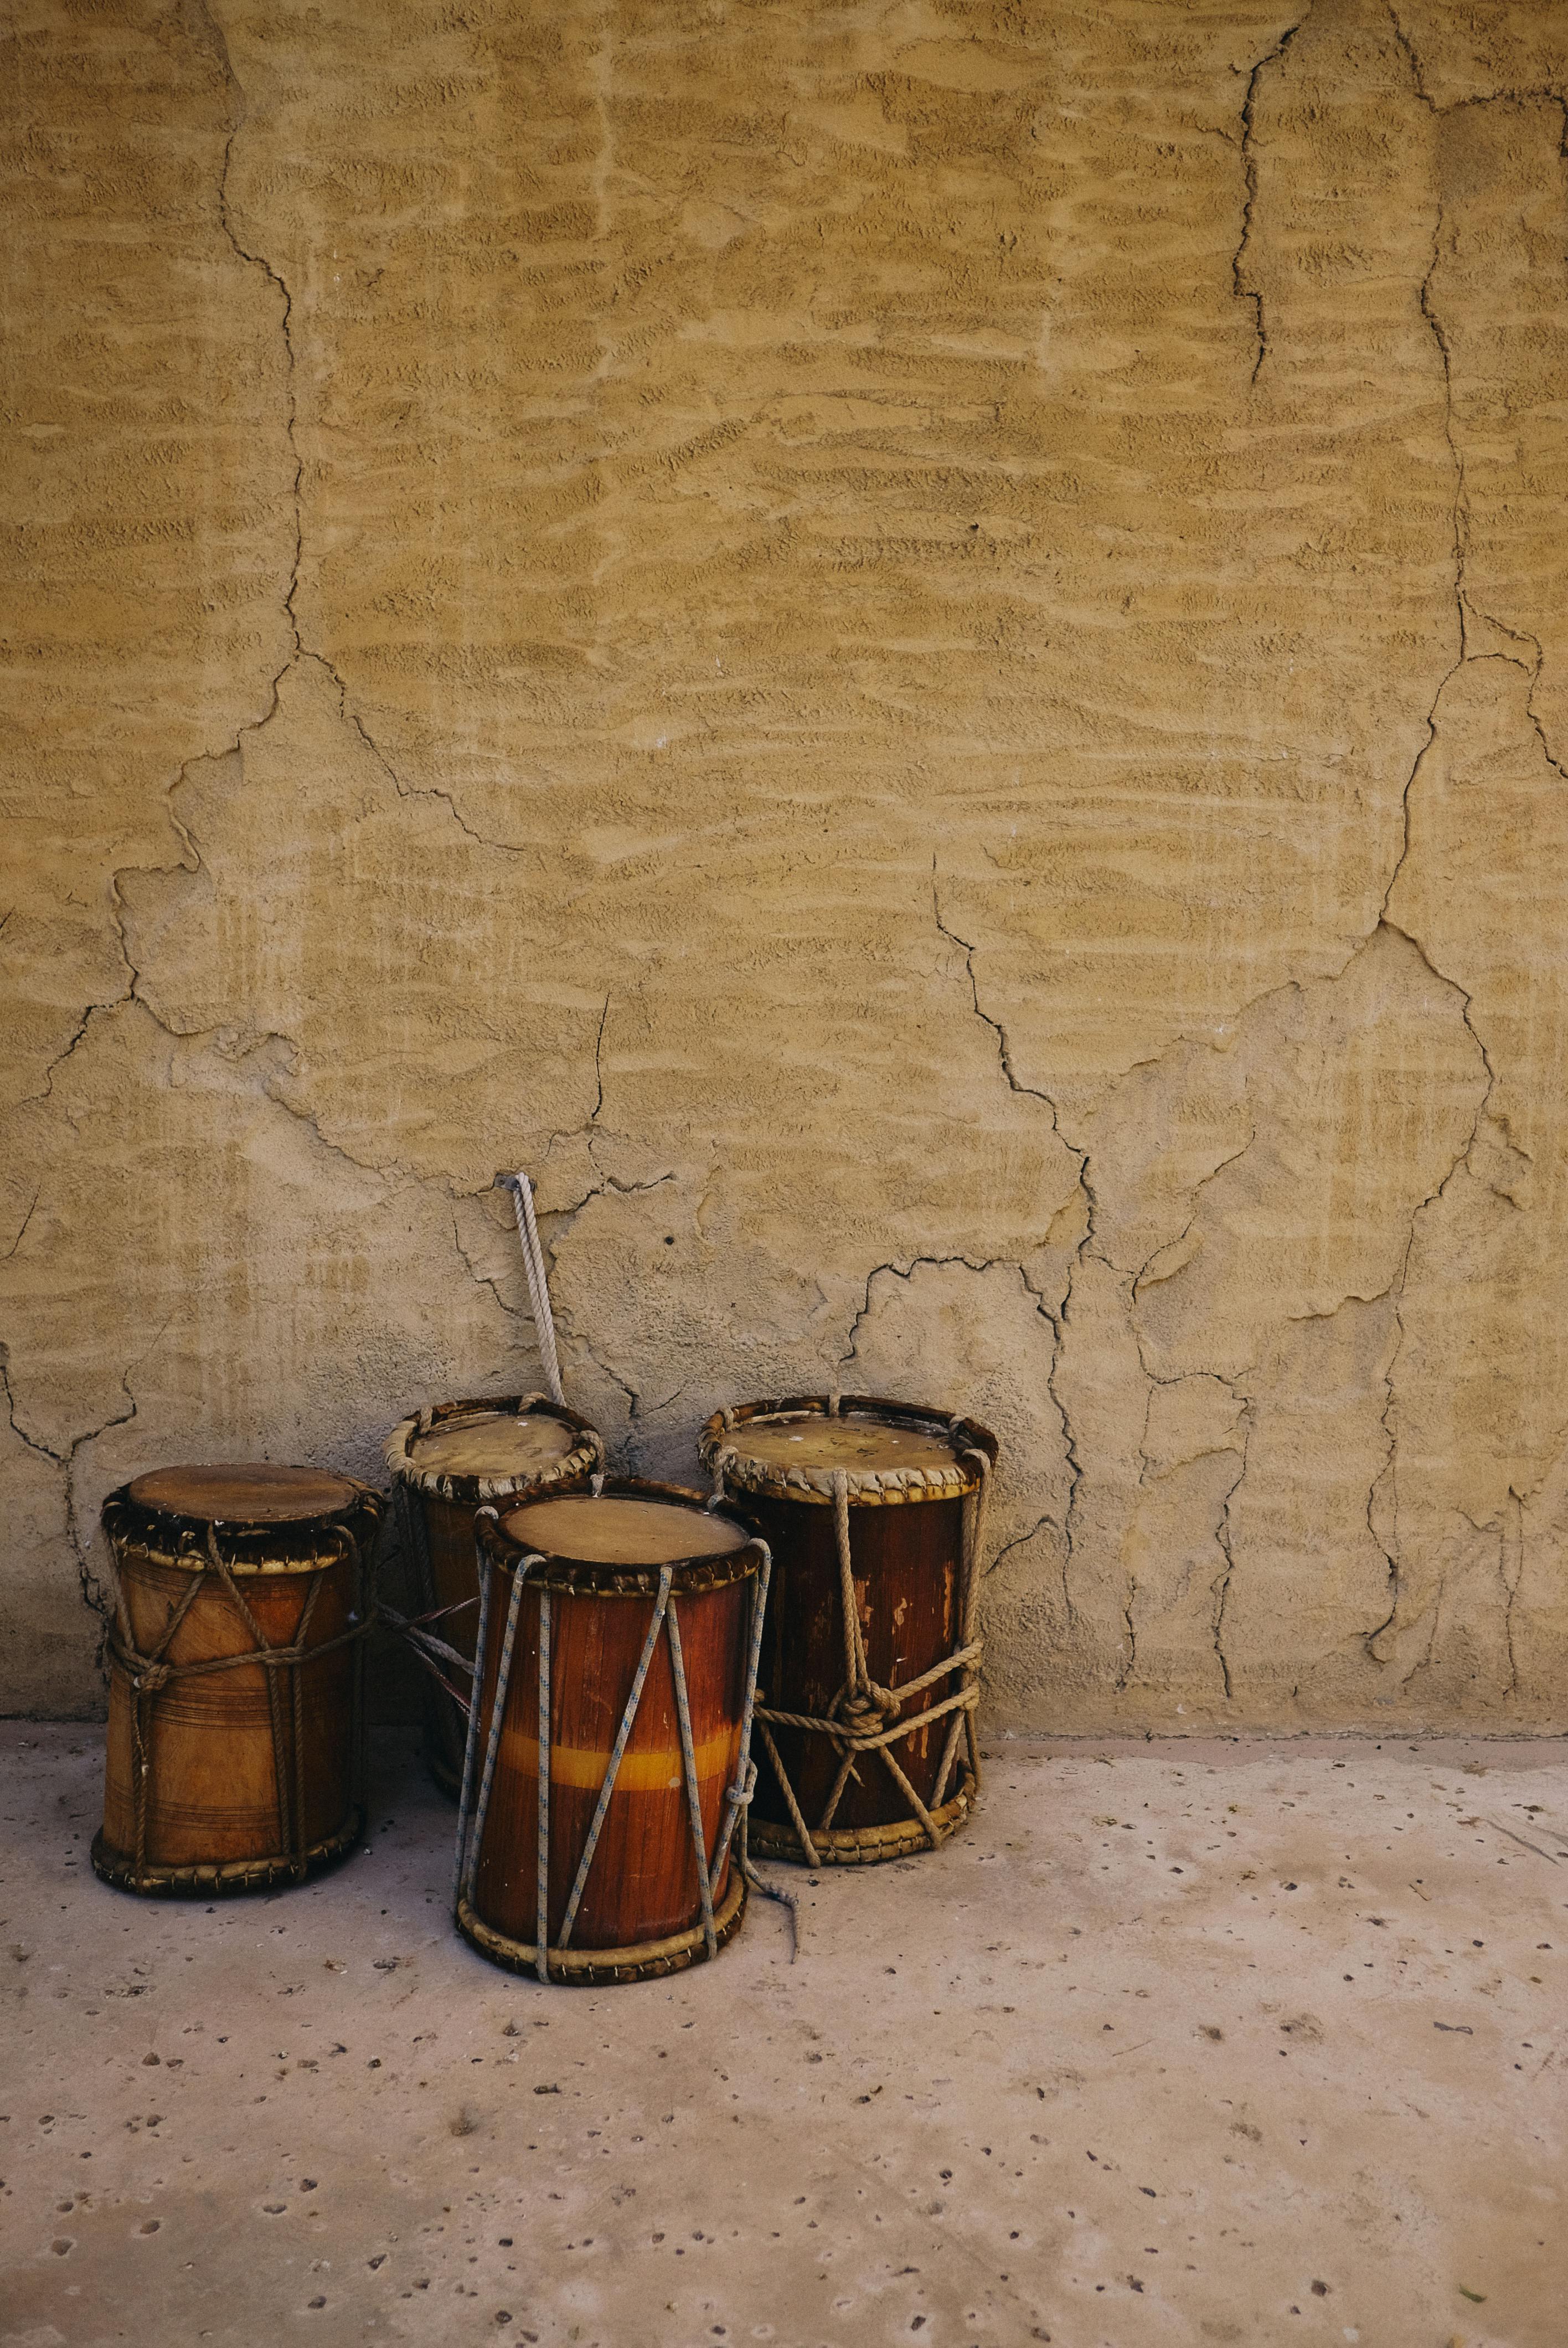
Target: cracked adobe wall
921, 652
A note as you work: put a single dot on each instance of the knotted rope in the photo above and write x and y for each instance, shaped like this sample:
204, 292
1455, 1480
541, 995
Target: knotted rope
148, 1675
865, 1717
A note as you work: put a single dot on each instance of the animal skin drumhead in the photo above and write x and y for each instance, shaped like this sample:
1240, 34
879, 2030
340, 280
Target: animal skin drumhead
492, 1444
855, 1441
611, 1532
255, 1493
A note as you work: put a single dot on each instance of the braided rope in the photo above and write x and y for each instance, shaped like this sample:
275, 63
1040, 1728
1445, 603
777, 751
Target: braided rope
542, 1838
470, 1741
427, 1649
974, 1549
617, 1755
522, 1192
689, 1771
497, 1714
738, 1796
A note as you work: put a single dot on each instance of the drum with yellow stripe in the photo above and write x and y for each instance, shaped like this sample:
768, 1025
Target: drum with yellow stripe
618, 1649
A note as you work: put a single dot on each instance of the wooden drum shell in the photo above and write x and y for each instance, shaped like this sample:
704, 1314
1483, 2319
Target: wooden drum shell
213, 1819
445, 1506
907, 1547
639, 1916
907, 1560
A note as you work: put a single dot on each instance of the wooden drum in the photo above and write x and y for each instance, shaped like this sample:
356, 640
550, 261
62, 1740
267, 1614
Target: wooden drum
608, 1757
445, 1463
874, 1511
236, 1729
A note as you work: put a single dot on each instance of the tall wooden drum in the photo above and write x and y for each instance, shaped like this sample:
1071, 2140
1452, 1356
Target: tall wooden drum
874, 1511
608, 1757
445, 1463
236, 1728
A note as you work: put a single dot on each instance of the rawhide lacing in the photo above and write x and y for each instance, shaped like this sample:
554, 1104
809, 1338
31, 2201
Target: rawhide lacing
148, 1675
473, 1808
865, 1718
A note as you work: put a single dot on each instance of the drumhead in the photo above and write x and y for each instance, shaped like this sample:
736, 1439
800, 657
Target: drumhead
612, 1531
254, 1493
492, 1443
879, 1450
856, 1441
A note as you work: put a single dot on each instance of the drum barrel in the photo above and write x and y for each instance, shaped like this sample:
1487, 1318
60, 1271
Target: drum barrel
223, 1774
908, 1568
482, 1455
874, 1510
595, 1639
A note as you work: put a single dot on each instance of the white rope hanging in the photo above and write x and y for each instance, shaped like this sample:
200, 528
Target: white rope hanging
522, 1192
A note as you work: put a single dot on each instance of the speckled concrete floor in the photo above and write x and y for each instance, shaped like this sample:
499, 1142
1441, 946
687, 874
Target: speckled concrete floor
1181, 2042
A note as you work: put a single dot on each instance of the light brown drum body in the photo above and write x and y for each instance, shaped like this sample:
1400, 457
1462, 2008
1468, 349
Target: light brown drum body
617, 1662
445, 1463
874, 1511
226, 1773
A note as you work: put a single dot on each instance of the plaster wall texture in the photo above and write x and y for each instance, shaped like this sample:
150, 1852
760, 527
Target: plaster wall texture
917, 650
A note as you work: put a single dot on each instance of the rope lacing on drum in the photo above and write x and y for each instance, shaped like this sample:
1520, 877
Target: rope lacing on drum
865, 1717
737, 1796
148, 1675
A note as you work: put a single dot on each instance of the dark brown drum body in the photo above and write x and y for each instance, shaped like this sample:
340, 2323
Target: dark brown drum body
865, 1709
622, 1628
445, 1463
226, 1774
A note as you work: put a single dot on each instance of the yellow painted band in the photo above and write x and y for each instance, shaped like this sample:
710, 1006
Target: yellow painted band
639, 1772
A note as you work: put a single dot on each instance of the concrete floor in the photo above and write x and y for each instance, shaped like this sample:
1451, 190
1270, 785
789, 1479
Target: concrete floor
1180, 2043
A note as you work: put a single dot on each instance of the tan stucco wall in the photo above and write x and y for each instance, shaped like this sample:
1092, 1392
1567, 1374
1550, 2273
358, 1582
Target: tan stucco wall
921, 652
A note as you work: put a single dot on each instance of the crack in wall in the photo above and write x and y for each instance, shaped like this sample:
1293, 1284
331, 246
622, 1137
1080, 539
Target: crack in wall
1221, 1587
1388, 1473
95, 1593
1511, 1588
1242, 292
1057, 1318
1004, 1051
1017, 1541
1141, 1277
1131, 1664
904, 1267
1547, 94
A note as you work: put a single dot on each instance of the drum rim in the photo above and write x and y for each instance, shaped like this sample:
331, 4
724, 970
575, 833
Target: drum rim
604, 1968
866, 1487
166, 1537
472, 1490
592, 1579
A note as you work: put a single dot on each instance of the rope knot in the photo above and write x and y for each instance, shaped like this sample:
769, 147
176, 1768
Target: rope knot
863, 1710
739, 1796
151, 1677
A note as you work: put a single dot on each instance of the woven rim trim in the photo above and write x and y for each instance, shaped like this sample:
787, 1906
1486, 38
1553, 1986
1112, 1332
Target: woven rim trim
720, 1447
593, 1580
221, 1878
571, 1467
601, 1968
133, 1532
861, 1846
